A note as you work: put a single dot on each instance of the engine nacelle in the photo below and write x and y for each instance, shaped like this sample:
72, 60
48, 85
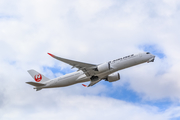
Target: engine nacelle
113, 77
103, 67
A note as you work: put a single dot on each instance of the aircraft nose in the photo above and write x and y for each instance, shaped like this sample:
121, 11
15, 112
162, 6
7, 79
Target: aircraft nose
153, 55
152, 58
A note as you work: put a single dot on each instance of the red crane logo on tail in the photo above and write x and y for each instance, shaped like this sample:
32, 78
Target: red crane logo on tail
38, 77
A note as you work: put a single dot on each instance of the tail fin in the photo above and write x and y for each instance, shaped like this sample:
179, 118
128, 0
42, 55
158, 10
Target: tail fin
37, 76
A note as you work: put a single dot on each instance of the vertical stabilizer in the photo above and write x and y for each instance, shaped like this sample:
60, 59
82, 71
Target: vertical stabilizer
38, 77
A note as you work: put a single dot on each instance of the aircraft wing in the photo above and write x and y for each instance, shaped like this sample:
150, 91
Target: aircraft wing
85, 67
94, 82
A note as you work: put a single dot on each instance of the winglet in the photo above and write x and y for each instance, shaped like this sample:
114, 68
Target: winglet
84, 85
50, 54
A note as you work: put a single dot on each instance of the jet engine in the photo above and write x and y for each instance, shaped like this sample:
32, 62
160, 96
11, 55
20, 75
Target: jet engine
103, 67
113, 77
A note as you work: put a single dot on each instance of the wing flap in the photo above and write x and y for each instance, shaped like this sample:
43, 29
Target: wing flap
93, 82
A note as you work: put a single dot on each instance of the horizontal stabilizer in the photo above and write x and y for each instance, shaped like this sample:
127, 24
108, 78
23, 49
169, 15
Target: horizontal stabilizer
35, 84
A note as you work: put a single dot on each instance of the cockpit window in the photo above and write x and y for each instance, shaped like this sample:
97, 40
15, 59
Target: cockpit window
148, 53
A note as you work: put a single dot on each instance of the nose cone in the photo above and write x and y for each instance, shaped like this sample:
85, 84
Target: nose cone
152, 58
153, 55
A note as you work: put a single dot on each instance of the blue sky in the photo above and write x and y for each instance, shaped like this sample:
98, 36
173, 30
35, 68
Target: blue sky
93, 31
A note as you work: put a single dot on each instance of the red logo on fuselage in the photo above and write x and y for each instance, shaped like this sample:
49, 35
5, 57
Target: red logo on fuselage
38, 77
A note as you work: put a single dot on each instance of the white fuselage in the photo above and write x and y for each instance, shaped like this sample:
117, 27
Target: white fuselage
116, 65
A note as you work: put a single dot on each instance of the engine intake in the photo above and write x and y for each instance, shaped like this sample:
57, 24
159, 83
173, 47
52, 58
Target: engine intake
103, 67
113, 77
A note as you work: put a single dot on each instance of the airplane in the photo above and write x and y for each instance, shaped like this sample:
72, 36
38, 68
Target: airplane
89, 72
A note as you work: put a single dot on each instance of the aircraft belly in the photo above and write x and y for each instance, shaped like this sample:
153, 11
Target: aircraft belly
64, 82
67, 82
82, 78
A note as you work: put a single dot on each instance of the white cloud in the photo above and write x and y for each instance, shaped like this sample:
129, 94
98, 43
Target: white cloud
90, 31
57, 104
